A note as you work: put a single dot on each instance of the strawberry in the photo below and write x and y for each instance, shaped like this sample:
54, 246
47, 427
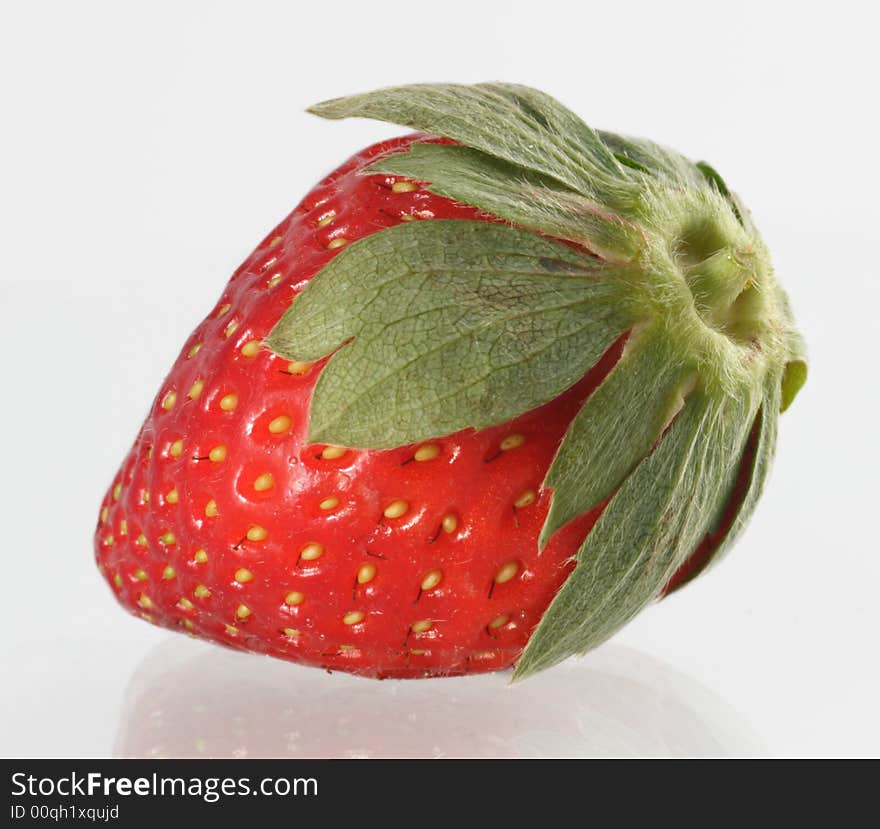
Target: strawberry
485, 393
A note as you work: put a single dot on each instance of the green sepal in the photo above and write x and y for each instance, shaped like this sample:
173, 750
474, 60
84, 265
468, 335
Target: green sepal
653, 160
516, 124
793, 379
514, 193
616, 428
767, 418
495, 322
714, 177
765, 450
650, 527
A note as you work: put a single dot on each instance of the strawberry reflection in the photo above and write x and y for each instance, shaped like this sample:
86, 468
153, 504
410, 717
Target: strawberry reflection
191, 700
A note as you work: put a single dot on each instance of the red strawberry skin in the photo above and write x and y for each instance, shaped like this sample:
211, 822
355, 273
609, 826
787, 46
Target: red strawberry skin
225, 523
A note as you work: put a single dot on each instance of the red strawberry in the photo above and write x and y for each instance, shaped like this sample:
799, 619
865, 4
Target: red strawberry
361, 525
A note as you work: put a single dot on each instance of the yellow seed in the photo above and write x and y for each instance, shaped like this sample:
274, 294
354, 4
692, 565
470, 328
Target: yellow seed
403, 187
293, 598
169, 400
274, 280
311, 551
269, 262
427, 452
230, 329
218, 454
329, 503
499, 621
274, 241
117, 580
231, 630
144, 601
168, 572
291, 632
243, 575
194, 350
525, 498
228, 402
150, 453
431, 580
109, 540
338, 242
257, 533
279, 424
264, 482
396, 508
175, 449
196, 389
123, 527
422, 626
353, 617
168, 539
171, 496
449, 523
185, 604
366, 572
117, 491
407, 217
141, 540
147, 618
187, 624
331, 453
251, 348
105, 514
211, 510
326, 218
242, 612
418, 652
223, 309
298, 367
506, 572
200, 557
145, 497
512, 442
201, 592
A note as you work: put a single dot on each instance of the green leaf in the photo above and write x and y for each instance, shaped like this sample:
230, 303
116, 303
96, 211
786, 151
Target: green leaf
654, 159
765, 449
516, 194
616, 428
650, 527
516, 124
714, 178
445, 325
793, 379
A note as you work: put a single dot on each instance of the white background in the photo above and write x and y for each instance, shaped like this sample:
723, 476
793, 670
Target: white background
147, 147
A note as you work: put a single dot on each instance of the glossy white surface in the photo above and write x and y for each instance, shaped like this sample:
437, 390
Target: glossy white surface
194, 702
145, 153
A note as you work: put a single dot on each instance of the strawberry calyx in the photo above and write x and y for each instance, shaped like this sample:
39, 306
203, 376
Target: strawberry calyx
445, 325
